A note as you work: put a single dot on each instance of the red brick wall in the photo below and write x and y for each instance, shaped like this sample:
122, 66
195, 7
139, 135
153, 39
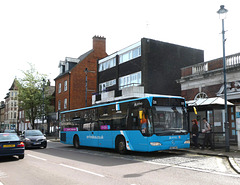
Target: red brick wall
190, 94
186, 71
216, 64
209, 90
64, 94
78, 82
77, 78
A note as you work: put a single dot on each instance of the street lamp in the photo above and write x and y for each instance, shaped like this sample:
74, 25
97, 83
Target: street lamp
43, 103
222, 14
86, 84
86, 72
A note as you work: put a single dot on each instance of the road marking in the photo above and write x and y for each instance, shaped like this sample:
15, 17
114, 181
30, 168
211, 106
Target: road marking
3, 175
82, 170
36, 157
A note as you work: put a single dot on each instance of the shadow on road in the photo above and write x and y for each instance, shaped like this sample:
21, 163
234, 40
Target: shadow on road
101, 156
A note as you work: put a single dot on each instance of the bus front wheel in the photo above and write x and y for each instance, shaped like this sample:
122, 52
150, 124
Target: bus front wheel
76, 142
121, 146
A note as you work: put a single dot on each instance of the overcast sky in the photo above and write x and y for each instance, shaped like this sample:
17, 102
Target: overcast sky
43, 32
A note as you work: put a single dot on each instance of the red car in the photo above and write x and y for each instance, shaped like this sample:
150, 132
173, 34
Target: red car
11, 145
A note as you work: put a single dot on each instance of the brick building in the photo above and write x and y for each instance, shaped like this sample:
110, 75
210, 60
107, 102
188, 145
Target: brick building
71, 82
2, 112
205, 80
11, 107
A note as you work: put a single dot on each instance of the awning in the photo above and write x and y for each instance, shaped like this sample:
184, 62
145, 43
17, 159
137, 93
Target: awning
208, 101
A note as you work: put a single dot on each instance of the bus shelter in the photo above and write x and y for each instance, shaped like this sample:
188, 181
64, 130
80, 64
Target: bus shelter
213, 110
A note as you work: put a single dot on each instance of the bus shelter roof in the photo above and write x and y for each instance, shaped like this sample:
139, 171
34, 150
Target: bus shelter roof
208, 101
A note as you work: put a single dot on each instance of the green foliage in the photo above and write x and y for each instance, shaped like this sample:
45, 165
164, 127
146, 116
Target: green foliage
31, 94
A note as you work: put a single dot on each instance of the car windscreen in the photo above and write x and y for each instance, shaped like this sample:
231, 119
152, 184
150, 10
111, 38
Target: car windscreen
9, 131
33, 133
9, 137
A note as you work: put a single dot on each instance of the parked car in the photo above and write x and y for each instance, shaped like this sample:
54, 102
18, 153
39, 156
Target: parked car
11, 145
10, 131
34, 139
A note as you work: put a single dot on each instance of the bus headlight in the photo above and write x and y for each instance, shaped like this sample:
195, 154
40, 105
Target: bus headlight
155, 144
187, 142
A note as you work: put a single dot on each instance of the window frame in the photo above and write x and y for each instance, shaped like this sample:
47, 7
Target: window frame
65, 85
59, 88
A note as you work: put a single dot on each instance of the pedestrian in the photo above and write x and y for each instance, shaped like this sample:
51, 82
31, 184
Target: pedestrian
195, 133
208, 135
143, 122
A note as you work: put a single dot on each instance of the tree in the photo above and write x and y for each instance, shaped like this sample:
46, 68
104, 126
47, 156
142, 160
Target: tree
31, 94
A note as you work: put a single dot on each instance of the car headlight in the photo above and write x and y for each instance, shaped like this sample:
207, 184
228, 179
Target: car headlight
155, 143
187, 142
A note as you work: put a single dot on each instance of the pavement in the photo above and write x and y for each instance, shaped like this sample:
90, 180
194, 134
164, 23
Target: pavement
233, 156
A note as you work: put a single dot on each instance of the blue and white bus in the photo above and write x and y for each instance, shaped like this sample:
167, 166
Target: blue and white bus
146, 124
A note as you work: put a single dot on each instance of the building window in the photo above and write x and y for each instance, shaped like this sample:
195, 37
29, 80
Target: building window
59, 104
67, 66
104, 85
129, 55
200, 95
65, 85
65, 103
15, 115
59, 88
107, 64
134, 79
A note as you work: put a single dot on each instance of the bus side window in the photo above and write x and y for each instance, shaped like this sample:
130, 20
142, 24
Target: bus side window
95, 126
133, 119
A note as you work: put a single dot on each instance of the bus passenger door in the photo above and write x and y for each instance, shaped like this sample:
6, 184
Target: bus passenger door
93, 136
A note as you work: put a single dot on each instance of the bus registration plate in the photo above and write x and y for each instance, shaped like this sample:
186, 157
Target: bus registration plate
173, 147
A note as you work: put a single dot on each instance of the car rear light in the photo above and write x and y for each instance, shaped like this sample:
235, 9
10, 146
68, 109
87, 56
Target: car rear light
20, 144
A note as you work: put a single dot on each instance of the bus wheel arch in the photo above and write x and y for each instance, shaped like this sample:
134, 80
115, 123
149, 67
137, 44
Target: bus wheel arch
76, 142
120, 144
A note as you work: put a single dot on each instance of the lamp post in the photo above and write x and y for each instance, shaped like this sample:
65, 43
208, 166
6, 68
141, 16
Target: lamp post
86, 84
86, 72
43, 103
222, 14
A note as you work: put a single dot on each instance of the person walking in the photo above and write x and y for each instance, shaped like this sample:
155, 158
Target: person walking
195, 133
207, 132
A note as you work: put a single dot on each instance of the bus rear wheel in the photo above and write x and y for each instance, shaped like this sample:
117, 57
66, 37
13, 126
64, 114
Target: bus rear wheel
121, 146
76, 143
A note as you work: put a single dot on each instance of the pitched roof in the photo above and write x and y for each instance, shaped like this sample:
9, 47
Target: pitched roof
14, 85
50, 90
83, 56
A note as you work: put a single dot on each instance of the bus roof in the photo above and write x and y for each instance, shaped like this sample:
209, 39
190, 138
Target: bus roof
149, 98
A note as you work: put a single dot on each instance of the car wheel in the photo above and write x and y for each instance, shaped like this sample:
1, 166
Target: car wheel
21, 156
45, 146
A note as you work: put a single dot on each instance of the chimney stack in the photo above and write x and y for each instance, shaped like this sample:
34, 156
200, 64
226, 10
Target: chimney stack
99, 43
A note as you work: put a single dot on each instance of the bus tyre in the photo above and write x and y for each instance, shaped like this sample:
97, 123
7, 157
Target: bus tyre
121, 146
76, 142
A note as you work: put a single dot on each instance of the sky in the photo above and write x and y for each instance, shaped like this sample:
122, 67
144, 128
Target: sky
43, 32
